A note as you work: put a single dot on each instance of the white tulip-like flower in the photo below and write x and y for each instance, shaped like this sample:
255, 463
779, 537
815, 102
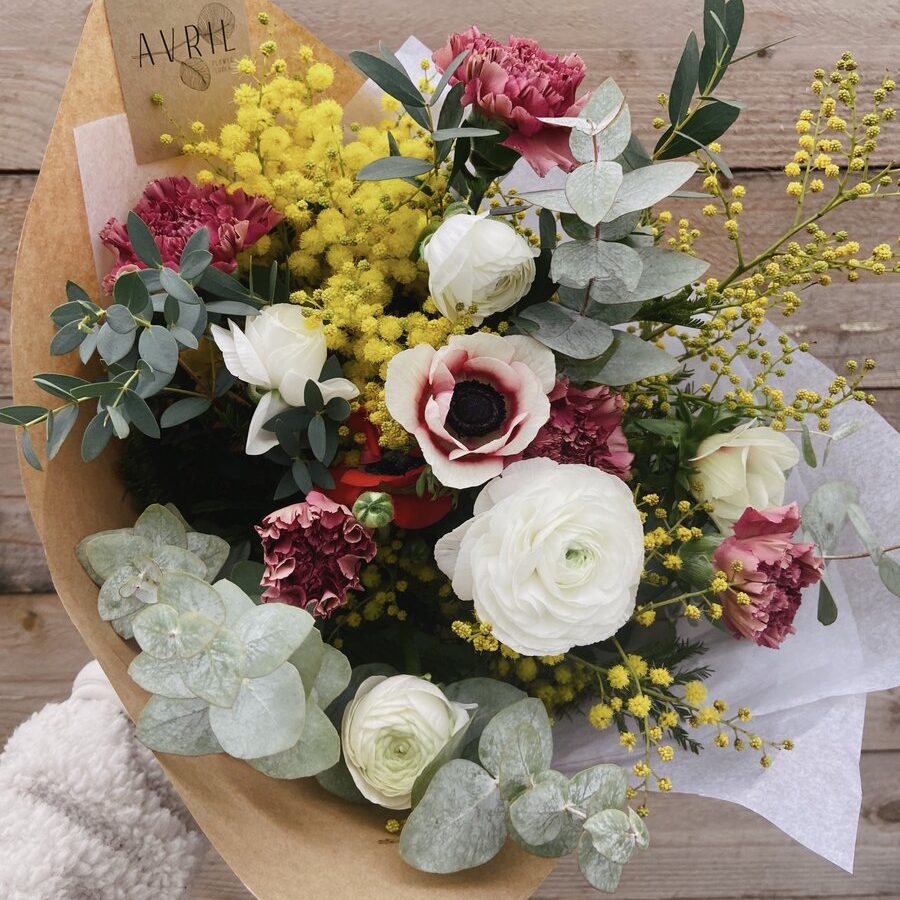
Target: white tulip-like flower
278, 352
552, 557
477, 261
742, 468
391, 730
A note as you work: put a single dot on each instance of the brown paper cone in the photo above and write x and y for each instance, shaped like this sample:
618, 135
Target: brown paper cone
283, 839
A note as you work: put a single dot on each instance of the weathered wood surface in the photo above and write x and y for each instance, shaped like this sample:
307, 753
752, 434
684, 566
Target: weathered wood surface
700, 848
637, 42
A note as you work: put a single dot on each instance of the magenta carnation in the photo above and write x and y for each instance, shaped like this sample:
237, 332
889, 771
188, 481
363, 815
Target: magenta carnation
313, 552
764, 592
585, 427
518, 83
174, 208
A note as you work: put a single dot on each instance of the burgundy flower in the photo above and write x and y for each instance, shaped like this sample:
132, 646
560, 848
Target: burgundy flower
585, 426
174, 208
313, 551
517, 83
765, 589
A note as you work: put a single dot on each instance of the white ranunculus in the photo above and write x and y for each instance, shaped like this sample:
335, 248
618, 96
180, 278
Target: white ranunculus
552, 557
477, 261
741, 468
391, 730
278, 352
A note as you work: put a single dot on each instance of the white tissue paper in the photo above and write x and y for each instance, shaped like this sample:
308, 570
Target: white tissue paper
811, 690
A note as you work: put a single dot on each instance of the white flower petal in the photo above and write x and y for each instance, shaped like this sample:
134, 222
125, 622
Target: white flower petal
259, 440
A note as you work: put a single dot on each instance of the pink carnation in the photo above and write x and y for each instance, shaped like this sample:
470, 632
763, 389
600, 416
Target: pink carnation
174, 208
313, 552
585, 426
773, 571
517, 83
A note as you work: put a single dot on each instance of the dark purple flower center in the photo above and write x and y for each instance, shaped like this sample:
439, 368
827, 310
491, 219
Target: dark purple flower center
476, 409
392, 462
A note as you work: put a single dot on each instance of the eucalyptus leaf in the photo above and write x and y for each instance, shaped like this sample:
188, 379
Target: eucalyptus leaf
160, 526
236, 602
142, 241
503, 727
577, 263
644, 187
600, 872
393, 82
459, 824
165, 634
825, 513
389, 167
182, 411
116, 598
603, 785
610, 833
664, 272
333, 676
307, 660
215, 674
60, 423
160, 677
826, 611
489, 694
270, 634
318, 750
451, 750
685, 81
539, 814
592, 188
889, 571
113, 345
628, 361
177, 726
562, 845
568, 332
159, 349
266, 718
614, 138
554, 200
187, 593
211, 549
177, 559
109, 550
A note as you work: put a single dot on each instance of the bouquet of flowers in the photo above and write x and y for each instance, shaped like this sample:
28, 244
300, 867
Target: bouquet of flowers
429, 463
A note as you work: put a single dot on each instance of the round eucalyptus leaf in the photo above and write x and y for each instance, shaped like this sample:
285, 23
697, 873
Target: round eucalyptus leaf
591, 189
177, 726
124, 627
521, 760
318, 750
212, 549
266, 718
639, 828
177, 559
562, 845
117, 597
161, 526
307, 659
338, 781
270, 634
451, 750
236, 602
162, 677
459, 824
601, 873
107, 551
602, 786
540, 813
333, 676
195, 634
156, 630
490, 696
610, 833
187, 593
215, 674
502, 728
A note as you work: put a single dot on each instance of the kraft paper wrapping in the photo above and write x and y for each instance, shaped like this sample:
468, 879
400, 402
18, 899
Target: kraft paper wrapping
283, 839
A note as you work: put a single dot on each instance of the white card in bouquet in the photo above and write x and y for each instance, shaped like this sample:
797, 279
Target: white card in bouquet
811, 690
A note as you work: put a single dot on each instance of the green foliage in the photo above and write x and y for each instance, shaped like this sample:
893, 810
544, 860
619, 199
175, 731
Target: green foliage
465, 809
225, 674
156, 314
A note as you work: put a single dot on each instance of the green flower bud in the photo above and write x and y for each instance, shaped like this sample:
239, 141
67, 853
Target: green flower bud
374, 509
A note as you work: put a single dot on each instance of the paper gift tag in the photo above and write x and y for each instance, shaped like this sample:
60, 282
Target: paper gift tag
183, 50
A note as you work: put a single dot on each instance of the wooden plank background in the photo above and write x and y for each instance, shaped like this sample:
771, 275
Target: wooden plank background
701, 849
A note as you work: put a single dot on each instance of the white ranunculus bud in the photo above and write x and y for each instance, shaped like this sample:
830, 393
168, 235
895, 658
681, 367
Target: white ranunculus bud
552, 557
391, 730
741, 468
476, 261
278, 352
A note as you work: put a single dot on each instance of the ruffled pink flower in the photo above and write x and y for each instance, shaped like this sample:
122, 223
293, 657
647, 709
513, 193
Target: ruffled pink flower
585, 427
773, 570
174, 208
313, 552
473, 405
517, 83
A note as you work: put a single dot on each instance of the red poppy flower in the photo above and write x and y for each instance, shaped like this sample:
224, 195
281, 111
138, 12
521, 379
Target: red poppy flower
392, 472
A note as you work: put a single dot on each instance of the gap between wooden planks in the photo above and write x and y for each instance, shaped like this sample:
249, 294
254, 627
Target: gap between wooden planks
700, 848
